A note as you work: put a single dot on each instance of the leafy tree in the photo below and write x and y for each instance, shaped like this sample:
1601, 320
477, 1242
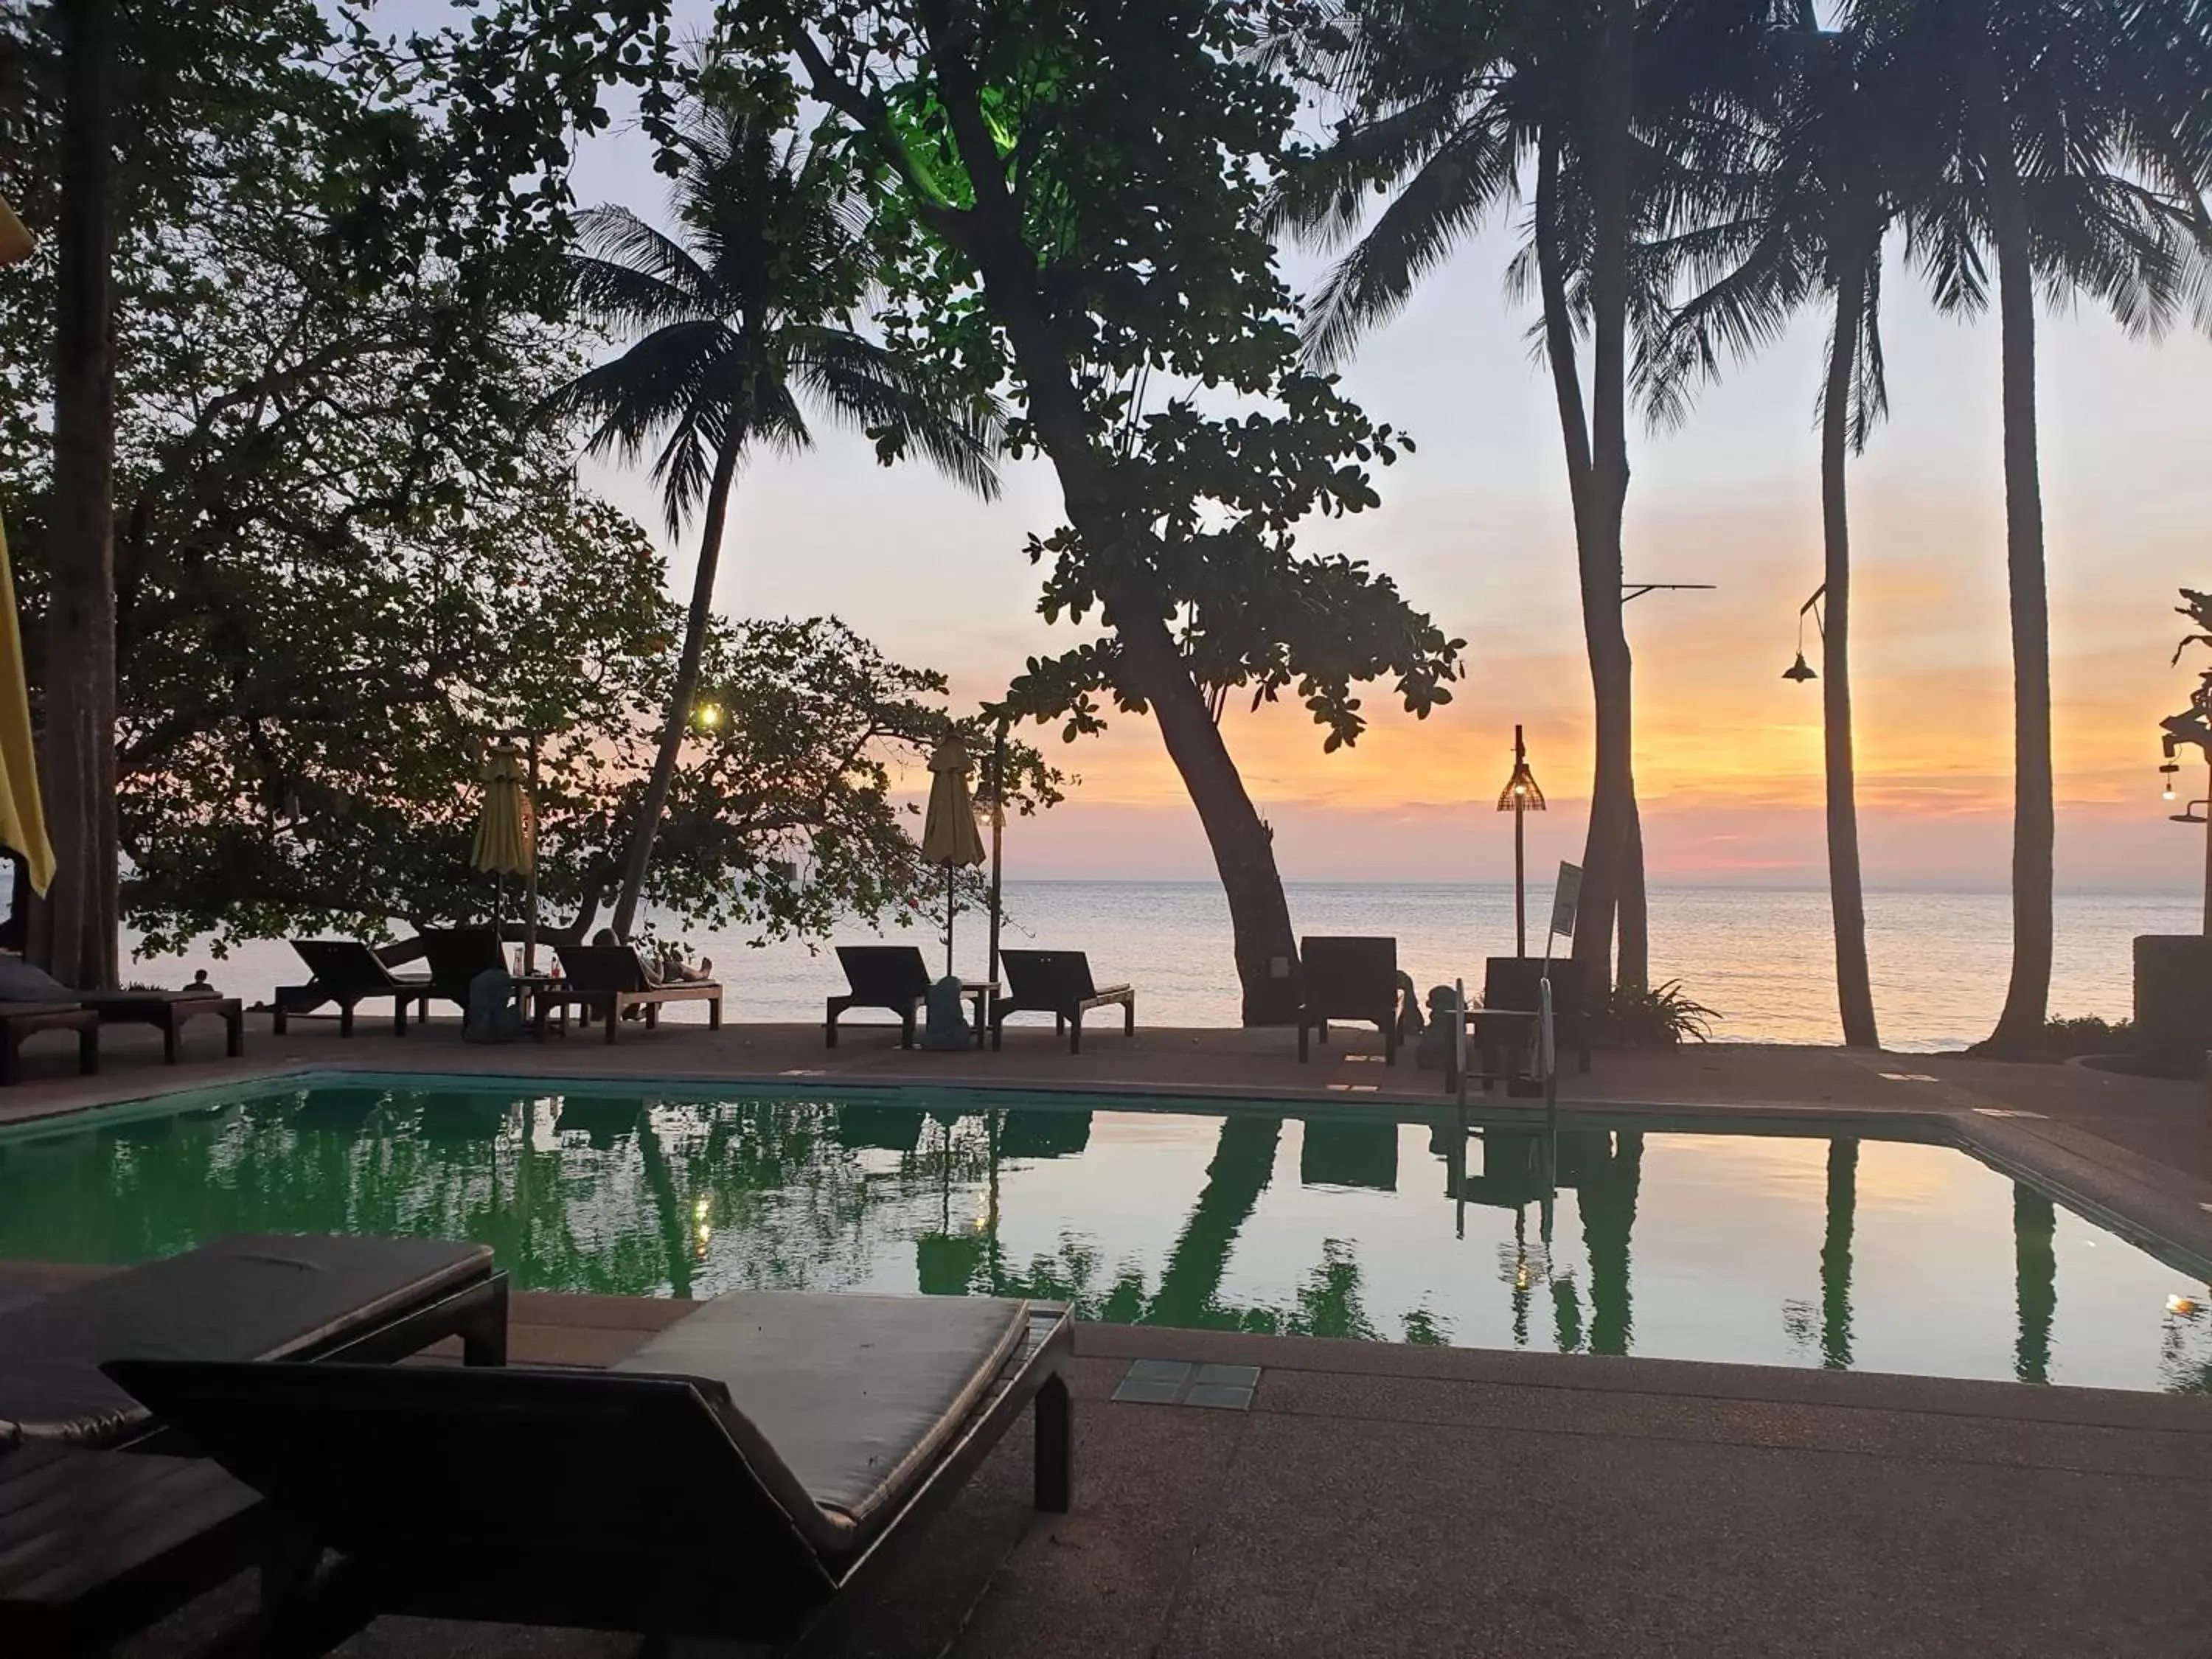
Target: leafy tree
1076, 215
343, 557
2072, 144
746, 315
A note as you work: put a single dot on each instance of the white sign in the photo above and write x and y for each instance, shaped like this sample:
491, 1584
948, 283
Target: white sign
1566, 897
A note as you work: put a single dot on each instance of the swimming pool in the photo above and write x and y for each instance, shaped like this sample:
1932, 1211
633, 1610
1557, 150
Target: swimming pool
1848, 1253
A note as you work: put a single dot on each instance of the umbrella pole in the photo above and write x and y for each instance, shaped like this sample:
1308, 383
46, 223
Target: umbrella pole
530, 878
948, 918
997, 851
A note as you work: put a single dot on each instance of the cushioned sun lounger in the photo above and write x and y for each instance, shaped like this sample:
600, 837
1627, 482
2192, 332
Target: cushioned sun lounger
268, 1297
1059, 983
608, 978
345, 971
1350, 979
730, 1481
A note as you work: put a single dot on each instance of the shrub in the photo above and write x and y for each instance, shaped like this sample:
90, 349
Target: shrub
1659, 1017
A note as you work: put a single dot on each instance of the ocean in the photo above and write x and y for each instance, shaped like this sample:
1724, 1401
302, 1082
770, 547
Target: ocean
1761, 958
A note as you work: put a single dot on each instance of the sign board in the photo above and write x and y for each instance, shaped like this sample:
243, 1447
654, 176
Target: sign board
1566, 897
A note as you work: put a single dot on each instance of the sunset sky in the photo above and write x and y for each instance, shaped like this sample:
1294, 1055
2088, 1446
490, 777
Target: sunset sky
1475, 528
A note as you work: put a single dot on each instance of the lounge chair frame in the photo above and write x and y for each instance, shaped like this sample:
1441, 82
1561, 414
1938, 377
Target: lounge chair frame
1349, 979
727, 1568
347, 972
613, 979
1059, 983
20, 1020
168, 1013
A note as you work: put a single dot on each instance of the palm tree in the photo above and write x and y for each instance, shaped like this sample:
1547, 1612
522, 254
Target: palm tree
1447, 108
1804, 212
737, 324
2074, 153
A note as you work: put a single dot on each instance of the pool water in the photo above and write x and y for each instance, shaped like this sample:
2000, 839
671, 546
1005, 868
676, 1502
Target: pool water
1843, 1252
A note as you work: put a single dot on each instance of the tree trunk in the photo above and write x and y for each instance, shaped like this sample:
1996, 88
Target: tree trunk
1634, 972
2034, 828
74, 933
680, 697
1846, 896
1612, 788
1244, 845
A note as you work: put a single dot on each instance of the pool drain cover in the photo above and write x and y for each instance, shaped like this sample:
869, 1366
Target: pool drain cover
1177, 1382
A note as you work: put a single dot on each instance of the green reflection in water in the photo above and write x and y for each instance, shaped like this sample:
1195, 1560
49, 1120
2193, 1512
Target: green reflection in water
682, 1196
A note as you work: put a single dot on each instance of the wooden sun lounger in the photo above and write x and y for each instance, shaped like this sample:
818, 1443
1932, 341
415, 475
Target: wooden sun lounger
1059, 983
457, 956
731, 1481
345, 971
1350, 979
606, 979
891, 978
168, 1013
19, 1020
96, 1544
258, 1297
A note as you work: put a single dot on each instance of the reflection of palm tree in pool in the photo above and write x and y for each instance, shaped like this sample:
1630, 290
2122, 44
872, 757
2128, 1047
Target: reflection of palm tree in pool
1244, 1161
1836, 1255
2035, 1265
1607, 1197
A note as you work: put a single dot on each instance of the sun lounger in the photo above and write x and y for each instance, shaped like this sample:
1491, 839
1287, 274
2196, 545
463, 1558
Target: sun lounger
96, 1544
606, 979
1350, 979
19, 1020
457, 956
345, 971
745, 1470
272, 1297
168, 1013
1059, 983
892, 978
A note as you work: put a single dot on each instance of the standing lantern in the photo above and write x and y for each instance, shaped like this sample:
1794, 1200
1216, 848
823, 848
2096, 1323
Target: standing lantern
1520, 797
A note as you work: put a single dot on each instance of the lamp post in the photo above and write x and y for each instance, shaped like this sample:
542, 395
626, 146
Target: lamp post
1520, 797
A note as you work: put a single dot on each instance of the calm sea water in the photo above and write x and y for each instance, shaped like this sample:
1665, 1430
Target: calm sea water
1849, 1255
1762, 959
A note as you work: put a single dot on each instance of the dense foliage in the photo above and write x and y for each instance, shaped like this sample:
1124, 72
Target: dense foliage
344, 556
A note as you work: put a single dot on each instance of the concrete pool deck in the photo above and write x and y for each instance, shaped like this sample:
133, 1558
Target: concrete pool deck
1403, 1501
1378, 1499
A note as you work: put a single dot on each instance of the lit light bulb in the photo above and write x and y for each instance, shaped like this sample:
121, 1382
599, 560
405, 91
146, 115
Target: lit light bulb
2169, 792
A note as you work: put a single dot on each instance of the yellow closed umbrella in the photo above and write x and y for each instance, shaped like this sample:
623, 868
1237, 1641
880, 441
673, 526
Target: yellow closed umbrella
949, 835
507, 835
22, 813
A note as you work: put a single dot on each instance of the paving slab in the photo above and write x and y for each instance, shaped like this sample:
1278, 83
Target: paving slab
1399, 1540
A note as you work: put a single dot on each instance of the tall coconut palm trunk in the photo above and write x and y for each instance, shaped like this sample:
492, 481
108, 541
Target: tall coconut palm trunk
682, 694
1598, 493
1846, 893
1599, 524
2034, 831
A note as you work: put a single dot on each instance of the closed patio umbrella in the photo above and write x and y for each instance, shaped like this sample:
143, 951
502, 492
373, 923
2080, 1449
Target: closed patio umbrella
22, 813
507, 835
949, 835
